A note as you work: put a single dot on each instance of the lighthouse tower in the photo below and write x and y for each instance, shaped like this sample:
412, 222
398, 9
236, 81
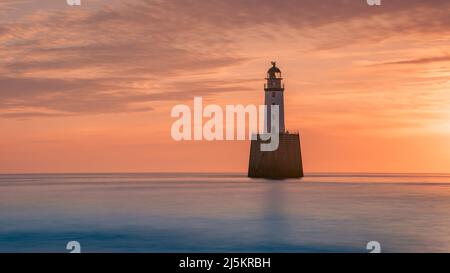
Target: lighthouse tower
274, 95
286, 161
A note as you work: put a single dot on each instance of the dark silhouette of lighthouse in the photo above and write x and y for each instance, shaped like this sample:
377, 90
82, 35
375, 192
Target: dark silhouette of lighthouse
286, 161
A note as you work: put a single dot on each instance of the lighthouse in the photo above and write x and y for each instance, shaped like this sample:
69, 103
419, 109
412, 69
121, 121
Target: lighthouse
274, 95
286, 161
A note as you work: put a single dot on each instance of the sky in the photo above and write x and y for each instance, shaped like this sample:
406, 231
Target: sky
90, 88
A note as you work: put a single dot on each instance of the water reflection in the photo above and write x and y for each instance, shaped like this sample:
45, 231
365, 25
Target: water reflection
221, 212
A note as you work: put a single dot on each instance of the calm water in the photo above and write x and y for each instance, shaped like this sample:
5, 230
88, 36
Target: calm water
224, 213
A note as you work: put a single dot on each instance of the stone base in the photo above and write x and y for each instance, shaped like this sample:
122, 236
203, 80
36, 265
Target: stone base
285, 162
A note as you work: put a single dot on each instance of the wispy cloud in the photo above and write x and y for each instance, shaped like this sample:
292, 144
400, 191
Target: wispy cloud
116, 57
445, 58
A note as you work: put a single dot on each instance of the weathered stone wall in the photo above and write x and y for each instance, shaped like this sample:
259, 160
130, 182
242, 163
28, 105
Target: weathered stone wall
285, 162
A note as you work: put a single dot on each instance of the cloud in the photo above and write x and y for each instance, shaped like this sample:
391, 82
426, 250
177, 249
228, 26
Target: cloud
54, 97
444, 58
120, 57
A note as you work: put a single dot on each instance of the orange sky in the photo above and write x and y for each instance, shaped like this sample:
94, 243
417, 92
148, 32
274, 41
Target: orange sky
90, 88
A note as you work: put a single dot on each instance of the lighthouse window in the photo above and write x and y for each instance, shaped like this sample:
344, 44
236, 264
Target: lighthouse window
273, 94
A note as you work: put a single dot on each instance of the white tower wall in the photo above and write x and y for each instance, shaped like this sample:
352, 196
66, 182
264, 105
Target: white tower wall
274, 95
275, 98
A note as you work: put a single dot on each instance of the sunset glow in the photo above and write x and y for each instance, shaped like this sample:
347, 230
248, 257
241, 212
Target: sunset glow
90, 88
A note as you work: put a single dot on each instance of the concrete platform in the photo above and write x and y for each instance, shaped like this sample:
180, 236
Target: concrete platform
285, 162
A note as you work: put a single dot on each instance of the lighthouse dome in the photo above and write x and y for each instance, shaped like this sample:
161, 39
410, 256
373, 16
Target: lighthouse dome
274, 72
274, 69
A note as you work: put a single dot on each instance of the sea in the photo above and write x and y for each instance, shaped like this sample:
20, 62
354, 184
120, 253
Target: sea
222, 212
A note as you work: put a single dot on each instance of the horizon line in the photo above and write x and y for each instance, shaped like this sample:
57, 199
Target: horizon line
231, 173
